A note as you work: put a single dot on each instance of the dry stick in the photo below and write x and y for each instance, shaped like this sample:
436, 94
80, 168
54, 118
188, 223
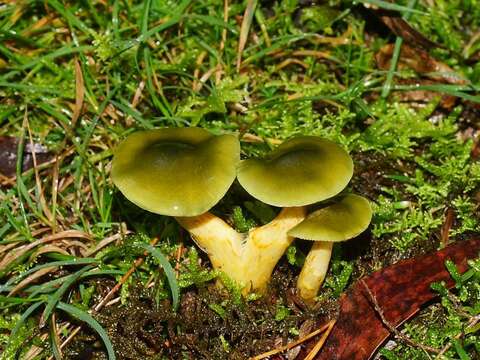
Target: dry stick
196, 72
43, 202
205, 77
447, 225
318, 346
179, 254
218, 74
56, 172
244, 29
79, 93
392, 328
295, 343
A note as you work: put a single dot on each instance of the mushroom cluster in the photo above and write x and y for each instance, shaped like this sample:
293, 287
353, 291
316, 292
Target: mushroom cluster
184, 172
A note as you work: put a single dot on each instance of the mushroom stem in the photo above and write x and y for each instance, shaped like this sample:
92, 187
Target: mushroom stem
247, 259
219, 240
265, 246
314, 270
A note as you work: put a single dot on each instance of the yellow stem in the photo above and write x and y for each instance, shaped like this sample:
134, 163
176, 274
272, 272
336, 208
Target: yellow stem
219, 240
265, 246
250, 259
314, 269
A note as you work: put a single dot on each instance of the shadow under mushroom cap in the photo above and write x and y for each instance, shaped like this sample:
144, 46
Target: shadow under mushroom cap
301, 171
175, 171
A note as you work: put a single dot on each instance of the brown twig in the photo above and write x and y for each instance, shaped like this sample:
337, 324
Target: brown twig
79, 94
280, 349
196, 72
319, 344
447, 225
391, 327
244, 30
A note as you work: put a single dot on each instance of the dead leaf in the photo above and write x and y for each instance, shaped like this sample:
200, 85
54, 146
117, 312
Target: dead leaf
402, 28
420, 61
79, 93
244, 29
8, 155
400, 291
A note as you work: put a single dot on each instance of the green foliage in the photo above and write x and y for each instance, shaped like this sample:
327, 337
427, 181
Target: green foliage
193, 273
318, 18
406, 226
234, 290
159, 63
341, 271
281, 312
240, 222
398, 129
13, 345
295, 256
168, 270
261, 211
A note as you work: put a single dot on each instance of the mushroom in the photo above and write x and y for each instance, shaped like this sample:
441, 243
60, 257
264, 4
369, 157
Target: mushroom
340, 221
175, 171
183, 172
301, 171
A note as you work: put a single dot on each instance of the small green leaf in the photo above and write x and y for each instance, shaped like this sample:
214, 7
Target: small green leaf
55, 298
219, 310
281, 313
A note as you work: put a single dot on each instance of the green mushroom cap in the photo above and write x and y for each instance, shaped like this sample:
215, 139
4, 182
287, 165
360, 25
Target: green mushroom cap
301, 171
338, 222
175, 171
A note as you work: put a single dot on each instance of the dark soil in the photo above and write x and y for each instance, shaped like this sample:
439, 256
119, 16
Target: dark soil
142, 329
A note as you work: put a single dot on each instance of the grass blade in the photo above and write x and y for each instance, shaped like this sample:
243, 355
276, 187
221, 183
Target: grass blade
55, 298
395, 56
172, 280
87, 318
392, 6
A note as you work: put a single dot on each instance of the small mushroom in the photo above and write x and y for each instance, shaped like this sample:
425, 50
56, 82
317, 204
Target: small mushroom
301, 171
340, 221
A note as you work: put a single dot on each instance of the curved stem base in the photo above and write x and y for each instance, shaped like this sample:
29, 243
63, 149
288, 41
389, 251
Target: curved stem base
247, 259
